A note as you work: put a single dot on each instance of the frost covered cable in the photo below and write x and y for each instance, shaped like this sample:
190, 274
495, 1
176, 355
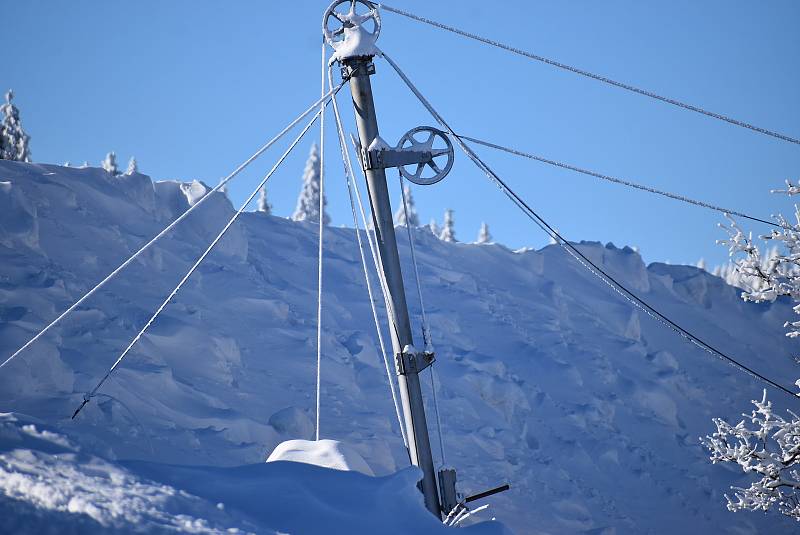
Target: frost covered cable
593, 76
461, 518
350, 177
373, 246
169, 227
376, 254
436, 411
574, 251
426, 331
377, 259
617, 180
452, 511
458, 516
321, 227
623, 290
197, 263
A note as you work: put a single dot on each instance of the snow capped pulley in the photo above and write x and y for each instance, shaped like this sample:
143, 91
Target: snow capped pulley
351, 28
438, 150
424, 155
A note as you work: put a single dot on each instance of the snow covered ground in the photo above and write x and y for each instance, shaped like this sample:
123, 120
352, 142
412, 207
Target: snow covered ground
548, 380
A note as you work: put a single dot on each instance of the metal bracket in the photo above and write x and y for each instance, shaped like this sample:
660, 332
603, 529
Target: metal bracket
388, 157
348, 70
406, 363
447, 490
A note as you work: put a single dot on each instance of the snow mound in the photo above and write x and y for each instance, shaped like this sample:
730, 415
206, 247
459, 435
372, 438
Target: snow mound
324, 452
48, 487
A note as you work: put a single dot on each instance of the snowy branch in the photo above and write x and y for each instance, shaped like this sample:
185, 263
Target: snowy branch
767, 277
769, 447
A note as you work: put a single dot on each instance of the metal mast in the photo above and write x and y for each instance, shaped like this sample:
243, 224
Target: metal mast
419, 446
424, 155
354, 47
352, 32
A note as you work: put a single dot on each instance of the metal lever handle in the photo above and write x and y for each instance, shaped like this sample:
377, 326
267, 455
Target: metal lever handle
486, 493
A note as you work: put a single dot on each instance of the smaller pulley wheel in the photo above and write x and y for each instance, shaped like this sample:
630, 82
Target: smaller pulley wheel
344, 14
427, 139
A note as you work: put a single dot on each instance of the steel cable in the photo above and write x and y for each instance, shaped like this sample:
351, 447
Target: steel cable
169, 227
629, 295
588, 74
616, 180
87, 397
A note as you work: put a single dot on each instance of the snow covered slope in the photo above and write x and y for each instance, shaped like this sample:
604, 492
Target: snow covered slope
51, 486
549, 380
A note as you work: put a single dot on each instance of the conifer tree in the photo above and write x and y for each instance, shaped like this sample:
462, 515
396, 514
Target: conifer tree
400, 214
484, 236
110, 163
434, 226
263, 204
449, 230
308, 201
132, 167
13, 139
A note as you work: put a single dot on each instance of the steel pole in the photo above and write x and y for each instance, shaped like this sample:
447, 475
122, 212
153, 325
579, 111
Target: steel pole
410, 391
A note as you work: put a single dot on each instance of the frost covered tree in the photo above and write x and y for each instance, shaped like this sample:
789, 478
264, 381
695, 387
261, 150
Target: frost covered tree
772, 274
701, 264
483, 235
13, 139
449, 230
132, 167
110, 163
434, 226
769, 447
400, 214
731, 275
308, 201
263, 204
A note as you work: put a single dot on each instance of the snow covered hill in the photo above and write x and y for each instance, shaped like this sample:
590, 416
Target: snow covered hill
548, 379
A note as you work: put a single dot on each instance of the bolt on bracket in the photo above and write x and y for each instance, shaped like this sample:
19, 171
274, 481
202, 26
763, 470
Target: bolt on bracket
406, 363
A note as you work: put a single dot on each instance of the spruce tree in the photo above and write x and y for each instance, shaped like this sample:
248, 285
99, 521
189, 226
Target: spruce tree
449, 230
434, 227
132, 167
263, 204
308, 201
13, 139
484, 236
110, 163
400, 214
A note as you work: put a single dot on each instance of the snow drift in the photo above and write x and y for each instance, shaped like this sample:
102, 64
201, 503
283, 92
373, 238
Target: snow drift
548, 380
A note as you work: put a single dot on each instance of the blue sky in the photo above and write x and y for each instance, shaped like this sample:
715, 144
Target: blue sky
192, 88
